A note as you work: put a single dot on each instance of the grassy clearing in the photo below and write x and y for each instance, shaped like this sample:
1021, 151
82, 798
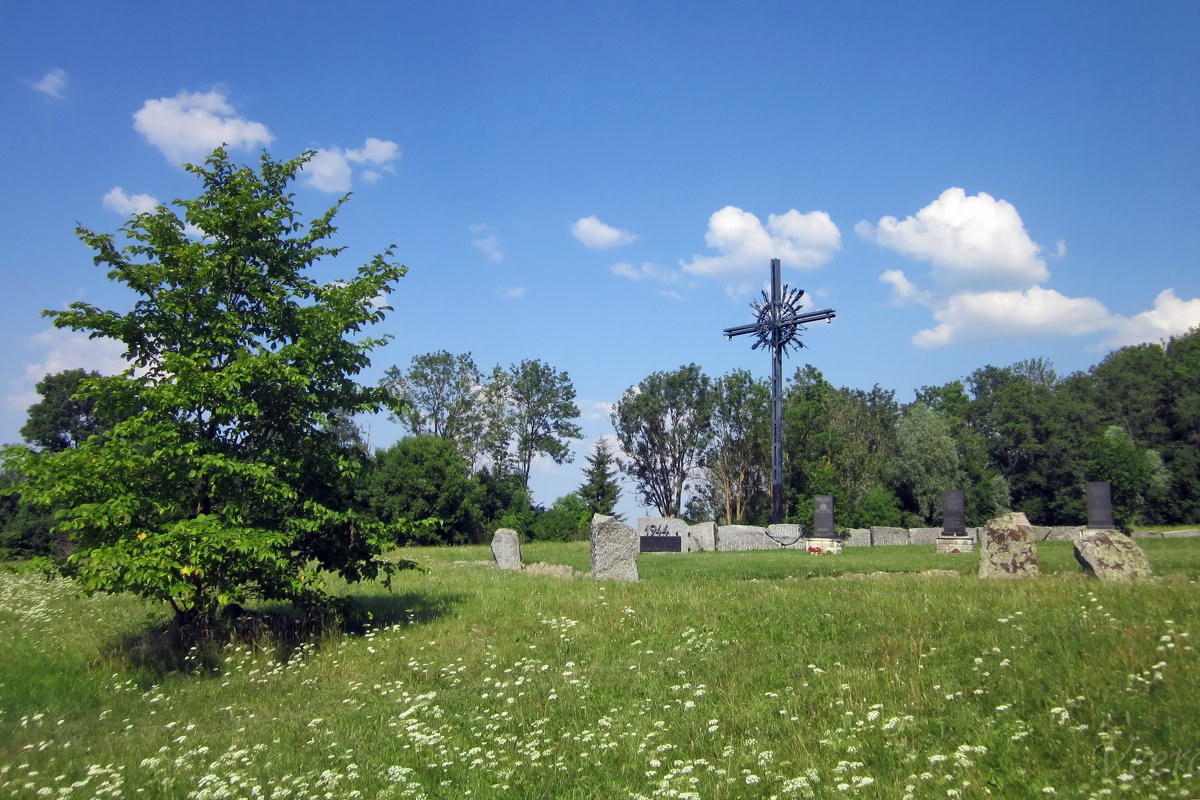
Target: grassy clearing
733, 675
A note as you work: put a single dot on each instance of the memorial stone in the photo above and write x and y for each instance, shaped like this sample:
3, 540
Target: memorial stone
614, 547
661, 534
924, 535
1099, 506
1111, 556
1010, 551
506, 548
954, 513
823, 517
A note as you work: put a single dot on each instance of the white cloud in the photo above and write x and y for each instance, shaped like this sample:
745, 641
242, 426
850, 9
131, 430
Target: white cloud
190, 125
648, 271
117, 200
487, 241
330, 168
744, 246
973, 242
513, 293
903, 290
53, 83
62, 350
1004, 315
597, 235
671, 294
329, 171
595, 410
1169, 317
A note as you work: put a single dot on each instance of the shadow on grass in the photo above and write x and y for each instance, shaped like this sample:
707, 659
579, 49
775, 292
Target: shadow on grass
278, 630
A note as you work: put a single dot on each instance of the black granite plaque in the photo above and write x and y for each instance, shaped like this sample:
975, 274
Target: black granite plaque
662, 544
1099, 505
823, 517
954, 513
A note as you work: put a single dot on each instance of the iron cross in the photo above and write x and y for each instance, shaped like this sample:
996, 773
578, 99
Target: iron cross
778, 327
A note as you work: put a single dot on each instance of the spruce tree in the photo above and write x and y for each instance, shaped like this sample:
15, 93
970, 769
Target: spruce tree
600, 489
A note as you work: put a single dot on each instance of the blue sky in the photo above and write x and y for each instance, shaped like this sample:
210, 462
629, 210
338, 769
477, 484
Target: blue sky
601, 185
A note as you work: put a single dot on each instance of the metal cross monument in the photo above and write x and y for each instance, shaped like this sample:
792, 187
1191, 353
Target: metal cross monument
778, 327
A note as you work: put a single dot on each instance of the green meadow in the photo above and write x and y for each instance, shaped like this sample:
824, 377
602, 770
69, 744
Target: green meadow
719, 675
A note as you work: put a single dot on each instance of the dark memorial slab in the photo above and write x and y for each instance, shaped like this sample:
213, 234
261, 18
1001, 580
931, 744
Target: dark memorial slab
954, 513
823, 517
1099, 506
662, 544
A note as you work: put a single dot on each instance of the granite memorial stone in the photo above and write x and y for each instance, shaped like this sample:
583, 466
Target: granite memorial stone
506, 548
1111, 556
614, 547
1010, 551
1099, 506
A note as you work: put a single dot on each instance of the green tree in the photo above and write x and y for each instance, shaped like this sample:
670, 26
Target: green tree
737, 461
600, 490
542, 401
663, 427
425, 478
220, 482
64, 416
441, 393
566, 519
927, 459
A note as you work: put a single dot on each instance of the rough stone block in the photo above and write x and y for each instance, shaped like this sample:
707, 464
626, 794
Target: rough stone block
1010, 551
924, 535
955, 544
701, 537
506, 548
744, 537
888, 536
614, 548
661, 526
859, 537
1111, 556
785, 535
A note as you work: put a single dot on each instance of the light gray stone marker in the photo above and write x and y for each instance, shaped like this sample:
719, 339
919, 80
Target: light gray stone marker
1011, 551
1111, 556
888, 536
615, 548
702, 537
787, 535
506, 548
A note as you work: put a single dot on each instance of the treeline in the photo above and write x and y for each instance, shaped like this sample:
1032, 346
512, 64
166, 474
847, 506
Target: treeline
461, 473
1019, 437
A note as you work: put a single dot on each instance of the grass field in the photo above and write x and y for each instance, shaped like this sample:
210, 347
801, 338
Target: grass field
719, 675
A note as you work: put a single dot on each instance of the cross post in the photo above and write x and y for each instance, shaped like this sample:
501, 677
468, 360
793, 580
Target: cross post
778, 327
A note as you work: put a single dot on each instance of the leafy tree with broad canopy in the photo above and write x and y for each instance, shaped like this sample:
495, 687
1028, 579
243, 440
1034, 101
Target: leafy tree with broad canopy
219, 484
663, 425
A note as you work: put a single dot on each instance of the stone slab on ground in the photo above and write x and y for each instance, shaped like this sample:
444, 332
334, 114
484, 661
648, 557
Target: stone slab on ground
744, 537
614, 547
1111, 556
881, 536
1011, 551
506, 548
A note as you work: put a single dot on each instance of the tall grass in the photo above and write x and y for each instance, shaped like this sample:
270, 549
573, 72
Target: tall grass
719, 675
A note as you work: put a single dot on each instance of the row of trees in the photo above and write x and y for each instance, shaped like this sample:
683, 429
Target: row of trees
1019, 437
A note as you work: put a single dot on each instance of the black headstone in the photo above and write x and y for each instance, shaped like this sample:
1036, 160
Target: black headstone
823, 517
1099, 505
662, 544
954, 513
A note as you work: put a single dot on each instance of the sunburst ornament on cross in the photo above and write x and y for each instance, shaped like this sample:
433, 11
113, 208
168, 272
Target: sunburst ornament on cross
777, 326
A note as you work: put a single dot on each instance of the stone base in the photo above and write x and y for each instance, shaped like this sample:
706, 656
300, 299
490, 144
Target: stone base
955, 544
826, 546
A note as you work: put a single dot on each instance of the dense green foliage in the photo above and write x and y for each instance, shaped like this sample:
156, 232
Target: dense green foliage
425, 478
222, 479
1018, 437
